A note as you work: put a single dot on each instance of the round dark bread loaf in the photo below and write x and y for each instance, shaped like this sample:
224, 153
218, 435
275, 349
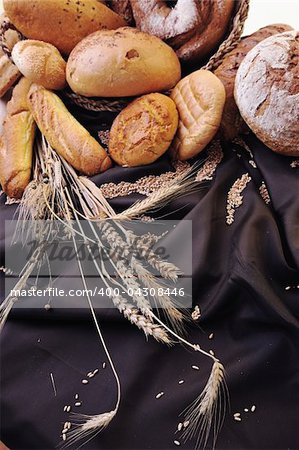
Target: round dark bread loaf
267, 92
232, 123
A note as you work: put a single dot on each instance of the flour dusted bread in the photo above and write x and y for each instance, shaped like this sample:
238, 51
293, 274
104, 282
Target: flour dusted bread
200, 99
232, 123
62, 23
267, 92
16, 143
65, 134
192, 27
41, 63
143, 131
121, 63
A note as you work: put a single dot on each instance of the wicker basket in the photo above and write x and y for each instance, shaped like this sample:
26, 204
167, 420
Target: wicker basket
115, 105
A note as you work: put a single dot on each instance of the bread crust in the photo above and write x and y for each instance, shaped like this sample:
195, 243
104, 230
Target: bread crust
200, 99
267, 92
16, 144
9, 73
65, 134
232, 123
120, 63
41, 63
59, 22
143, 131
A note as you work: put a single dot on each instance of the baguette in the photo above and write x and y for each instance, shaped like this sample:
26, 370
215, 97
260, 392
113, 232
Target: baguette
16, 144
60, 22
65, 134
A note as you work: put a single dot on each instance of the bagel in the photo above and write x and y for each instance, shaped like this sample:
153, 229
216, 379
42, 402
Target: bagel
192, 27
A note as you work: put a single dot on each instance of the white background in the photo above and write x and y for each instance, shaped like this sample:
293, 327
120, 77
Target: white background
265, 12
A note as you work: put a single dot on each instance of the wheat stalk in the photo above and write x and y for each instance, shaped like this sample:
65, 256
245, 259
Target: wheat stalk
207, 410
176, 188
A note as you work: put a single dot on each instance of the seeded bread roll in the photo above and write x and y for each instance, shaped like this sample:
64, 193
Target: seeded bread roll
267, 92
41, 63
62, 23
232, 123
67, 136
121, 63
143, 131
200, 99
16, 143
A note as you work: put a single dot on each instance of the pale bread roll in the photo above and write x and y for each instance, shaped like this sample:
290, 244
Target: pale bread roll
62, 23
16, 143
121, 63
200, 99
65, 134
143, 131
267, 92
41, 63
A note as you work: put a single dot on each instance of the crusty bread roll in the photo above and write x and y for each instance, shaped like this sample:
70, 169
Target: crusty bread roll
143, 131
232, 123
267, 92
200, 99
62, 23
9, 73
41, 63
121, 63
67, 136
17, 143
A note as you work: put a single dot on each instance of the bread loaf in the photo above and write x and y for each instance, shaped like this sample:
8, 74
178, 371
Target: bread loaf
62, 23
267, 92
200, 99
143, 131
17, 143
232, 123
67, 136
121, 63
41, 63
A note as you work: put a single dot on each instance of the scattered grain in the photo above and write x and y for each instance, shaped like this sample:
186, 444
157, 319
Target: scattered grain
195, 367
104, 365
246, 409
177, 443
211, 336
253, 408
64, 437
238, 419
78, 403
68, 409
159, 395
186, 423
180, 426
76, 396
181, 381
84, 381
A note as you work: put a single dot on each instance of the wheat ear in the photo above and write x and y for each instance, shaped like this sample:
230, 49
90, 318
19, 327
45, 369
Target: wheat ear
207, 412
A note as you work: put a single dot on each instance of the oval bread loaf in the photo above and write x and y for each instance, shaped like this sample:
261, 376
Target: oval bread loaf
41, 63
120, 63
267, 92
232, 123
143, 131
62, 23
200, 99
65, 134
